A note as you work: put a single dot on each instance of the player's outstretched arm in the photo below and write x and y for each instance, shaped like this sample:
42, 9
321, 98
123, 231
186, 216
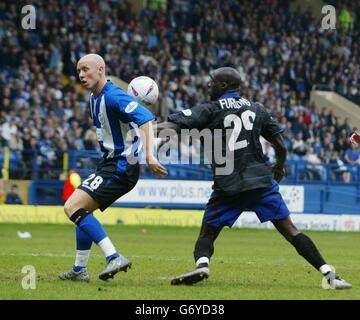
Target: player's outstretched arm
280, 153
169, 126
147, 137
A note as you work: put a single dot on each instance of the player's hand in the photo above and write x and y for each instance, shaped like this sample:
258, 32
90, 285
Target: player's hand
279, 172
355, 138
156, 168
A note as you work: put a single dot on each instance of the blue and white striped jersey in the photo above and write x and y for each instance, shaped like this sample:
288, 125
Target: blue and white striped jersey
117, 117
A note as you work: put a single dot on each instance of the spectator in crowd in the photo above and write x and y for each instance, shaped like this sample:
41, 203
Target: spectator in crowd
339, 169
279, 60
352, 155
16, 143
314, 166
13, 196
8, 131
299, 146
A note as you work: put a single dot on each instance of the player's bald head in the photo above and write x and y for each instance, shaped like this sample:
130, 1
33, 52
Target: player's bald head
93, 59
91, 70
228, 75
223, 80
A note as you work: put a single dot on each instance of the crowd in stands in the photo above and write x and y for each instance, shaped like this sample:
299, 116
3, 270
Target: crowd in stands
280, 54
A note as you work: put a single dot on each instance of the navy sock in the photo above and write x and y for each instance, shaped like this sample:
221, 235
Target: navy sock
306, 248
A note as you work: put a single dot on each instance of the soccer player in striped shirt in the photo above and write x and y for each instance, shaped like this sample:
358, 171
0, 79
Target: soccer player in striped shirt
114, 114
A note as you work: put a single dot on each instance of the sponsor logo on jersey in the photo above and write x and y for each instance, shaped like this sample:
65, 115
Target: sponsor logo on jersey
131, 106
187, 112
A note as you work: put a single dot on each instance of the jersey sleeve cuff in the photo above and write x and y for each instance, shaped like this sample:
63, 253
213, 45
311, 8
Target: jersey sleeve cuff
145, 121
277, 132
174, 119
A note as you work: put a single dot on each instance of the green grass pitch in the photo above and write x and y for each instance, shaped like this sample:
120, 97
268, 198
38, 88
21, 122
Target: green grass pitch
248, 264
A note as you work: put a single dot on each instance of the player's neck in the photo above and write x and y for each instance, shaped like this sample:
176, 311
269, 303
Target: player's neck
98, 88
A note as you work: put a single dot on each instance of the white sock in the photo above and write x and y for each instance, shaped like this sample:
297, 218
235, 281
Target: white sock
82, 258
202, 260
324, 269
107, 247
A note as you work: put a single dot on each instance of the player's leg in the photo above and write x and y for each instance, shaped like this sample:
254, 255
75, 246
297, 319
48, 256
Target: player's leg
219, 212
83, 248
80, 199
113, 178
270, 206
79, 208
307, 249
204, 247
301, 242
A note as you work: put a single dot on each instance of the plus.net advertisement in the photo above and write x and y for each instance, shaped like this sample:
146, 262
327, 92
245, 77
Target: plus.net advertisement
177, 192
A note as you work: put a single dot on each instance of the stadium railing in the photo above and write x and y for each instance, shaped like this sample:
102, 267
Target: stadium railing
35, 165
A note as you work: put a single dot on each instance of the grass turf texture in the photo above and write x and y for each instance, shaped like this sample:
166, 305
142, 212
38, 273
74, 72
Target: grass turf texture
248, 264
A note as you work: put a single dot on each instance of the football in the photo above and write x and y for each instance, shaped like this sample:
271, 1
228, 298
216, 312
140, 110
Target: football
144, 89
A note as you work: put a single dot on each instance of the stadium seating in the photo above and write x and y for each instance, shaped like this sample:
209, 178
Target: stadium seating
44, 109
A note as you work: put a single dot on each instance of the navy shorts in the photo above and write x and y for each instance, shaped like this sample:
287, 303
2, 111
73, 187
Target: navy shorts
111, 180
267, 203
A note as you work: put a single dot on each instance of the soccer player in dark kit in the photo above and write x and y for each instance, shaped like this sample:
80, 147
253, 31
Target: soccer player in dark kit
252, 183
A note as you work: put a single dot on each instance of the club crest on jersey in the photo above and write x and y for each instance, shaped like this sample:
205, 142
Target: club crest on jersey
101, 119
187, 112
131, 106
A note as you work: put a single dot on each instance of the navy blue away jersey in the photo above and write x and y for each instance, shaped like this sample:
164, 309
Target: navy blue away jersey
236, 125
